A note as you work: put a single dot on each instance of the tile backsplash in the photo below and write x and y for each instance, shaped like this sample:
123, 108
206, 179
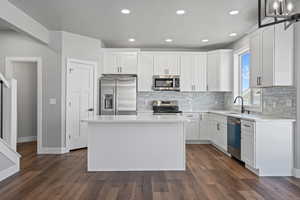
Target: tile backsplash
276, 101
188, 101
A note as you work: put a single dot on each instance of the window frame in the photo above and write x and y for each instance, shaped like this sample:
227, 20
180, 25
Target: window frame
237, 80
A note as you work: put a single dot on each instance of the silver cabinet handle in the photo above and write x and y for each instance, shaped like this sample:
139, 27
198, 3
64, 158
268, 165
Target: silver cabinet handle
257, 83
121, 69
246, 125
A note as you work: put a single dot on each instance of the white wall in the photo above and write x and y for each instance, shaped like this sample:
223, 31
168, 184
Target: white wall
62, 45
77, 47
15, 44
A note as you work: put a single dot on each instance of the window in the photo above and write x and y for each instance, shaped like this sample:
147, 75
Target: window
252, 96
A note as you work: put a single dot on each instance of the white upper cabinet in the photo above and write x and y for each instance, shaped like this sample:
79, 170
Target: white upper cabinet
120, 62
255, 71
145, 71
193, 72
166, 64
219, 70
272, 57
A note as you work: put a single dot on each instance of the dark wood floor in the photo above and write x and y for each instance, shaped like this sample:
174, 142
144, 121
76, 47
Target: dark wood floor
210, 175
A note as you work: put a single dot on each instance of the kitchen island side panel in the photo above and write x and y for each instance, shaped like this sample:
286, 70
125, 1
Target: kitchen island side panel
136, 146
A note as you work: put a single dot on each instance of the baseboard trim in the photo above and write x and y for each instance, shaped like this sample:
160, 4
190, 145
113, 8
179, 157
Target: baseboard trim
197, 142
296, 173
9, 172
27, 139
52, 150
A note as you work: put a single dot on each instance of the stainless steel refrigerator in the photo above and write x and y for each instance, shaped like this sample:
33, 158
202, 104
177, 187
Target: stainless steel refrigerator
118, 95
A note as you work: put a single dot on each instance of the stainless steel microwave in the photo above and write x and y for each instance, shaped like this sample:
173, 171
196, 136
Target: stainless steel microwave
166, 83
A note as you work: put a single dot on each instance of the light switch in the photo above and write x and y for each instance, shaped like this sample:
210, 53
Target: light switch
52, 101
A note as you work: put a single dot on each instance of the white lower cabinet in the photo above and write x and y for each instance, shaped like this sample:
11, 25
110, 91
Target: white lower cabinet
204, 127
247, 142
214, 129
192, 127
267, 147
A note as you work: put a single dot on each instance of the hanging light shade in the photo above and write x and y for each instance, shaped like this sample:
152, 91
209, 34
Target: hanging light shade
279, 8
281, 11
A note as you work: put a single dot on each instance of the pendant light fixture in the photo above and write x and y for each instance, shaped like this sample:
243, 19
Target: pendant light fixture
281, 11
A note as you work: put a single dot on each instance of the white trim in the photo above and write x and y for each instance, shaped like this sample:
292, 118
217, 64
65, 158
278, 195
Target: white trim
237, 72
197, 142
94, 65
53, 150
27, 139
296, 173
8, 74
6, 84
9, 171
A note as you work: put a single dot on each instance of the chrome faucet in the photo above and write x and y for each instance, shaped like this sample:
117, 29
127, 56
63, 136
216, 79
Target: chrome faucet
242, 108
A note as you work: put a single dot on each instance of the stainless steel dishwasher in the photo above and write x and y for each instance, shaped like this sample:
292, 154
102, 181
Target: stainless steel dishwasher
234, 137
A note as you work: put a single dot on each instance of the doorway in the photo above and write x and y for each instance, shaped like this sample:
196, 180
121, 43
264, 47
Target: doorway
27, 72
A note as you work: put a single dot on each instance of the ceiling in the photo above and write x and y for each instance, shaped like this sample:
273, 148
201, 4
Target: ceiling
150, 21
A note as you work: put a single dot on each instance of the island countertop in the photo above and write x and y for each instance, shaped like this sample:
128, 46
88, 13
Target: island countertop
140, 118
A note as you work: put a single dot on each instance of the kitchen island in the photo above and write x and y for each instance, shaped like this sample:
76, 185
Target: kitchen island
136, 143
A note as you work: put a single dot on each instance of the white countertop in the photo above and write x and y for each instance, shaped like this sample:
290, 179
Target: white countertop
140, 118
250, 116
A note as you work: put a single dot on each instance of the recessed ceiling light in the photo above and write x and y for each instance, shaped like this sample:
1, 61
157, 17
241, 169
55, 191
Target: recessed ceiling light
180, 12
205, 40
125, 11
233, 34
131, 40
169, 40
234, 12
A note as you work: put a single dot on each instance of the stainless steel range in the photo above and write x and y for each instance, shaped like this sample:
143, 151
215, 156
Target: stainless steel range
165, 107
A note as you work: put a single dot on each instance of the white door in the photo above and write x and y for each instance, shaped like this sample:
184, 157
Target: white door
255, 61
166, 64
127, 63
80, 102
145, 72
187, 67
110, 63
200, 75
267, 56
213, 60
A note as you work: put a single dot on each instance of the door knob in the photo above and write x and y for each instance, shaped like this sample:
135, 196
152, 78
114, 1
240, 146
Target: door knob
91, 109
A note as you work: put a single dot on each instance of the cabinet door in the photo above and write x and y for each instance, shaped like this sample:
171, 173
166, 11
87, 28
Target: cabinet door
192, 129
284, 56
267, 56
110, 62
247, 143
192, 126
199, 74
128, 63
255, 61
145, 72
187, 78
223, 137
166, 64
204, 129
213, 61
